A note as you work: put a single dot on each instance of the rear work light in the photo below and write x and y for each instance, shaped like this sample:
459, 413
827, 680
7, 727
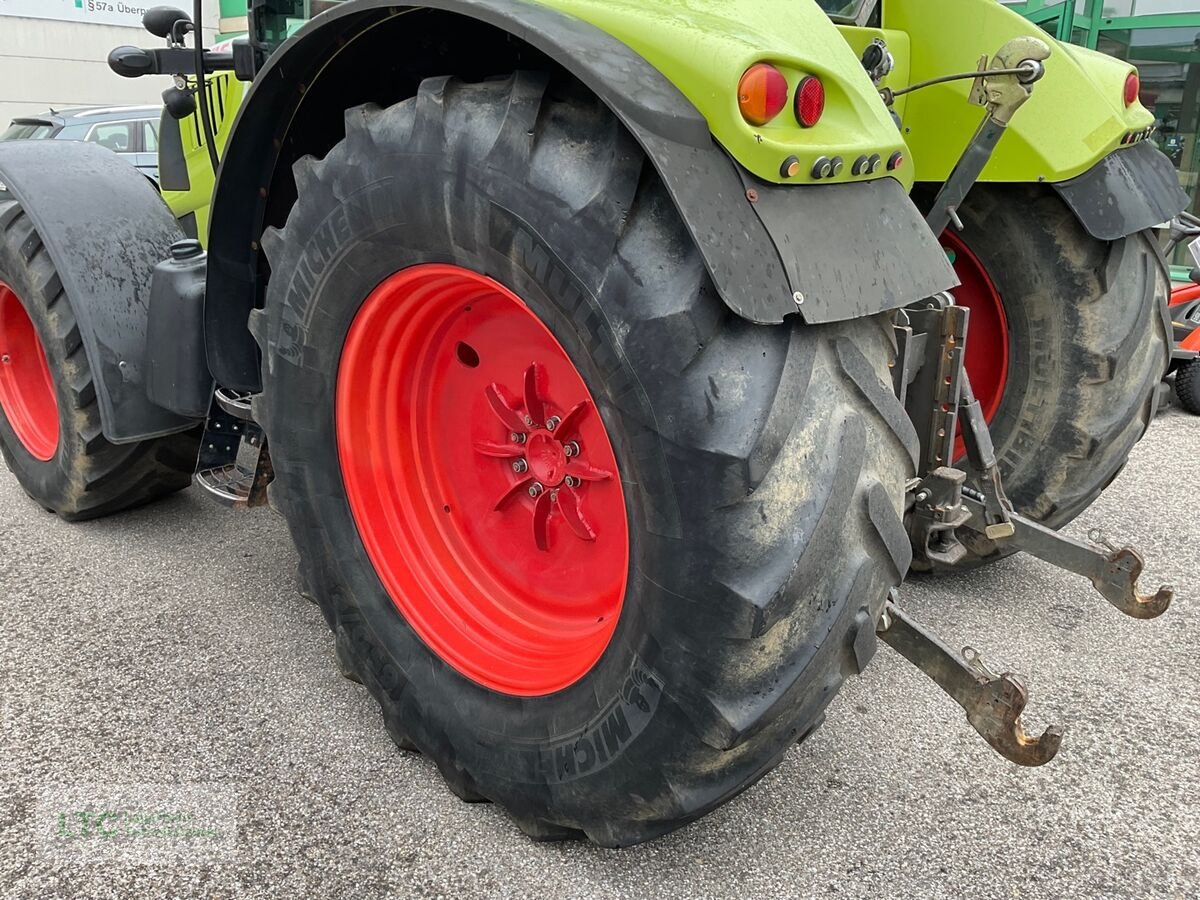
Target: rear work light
810, 101
1133, 87
762, 94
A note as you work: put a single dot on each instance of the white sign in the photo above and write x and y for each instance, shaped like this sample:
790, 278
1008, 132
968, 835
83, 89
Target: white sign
95, 12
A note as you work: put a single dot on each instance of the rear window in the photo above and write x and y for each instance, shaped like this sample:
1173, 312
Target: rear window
32, 131
116, 136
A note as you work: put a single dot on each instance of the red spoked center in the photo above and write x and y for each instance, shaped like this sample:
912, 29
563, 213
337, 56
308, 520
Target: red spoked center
482, 480
26, 387
987, 335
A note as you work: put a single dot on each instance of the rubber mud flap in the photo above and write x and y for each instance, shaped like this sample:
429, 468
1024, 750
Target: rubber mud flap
1128, 191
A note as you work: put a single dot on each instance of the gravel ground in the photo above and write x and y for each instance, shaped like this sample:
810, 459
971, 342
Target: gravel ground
167, 647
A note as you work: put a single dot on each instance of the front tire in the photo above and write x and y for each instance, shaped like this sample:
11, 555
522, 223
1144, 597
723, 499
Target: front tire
758, 481
50, 430
1067, 346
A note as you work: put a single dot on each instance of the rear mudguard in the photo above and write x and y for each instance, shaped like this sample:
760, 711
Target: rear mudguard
1126, 192
105, 228
826, 253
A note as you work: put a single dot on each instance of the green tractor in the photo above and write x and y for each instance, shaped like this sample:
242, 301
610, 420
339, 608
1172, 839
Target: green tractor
604, 358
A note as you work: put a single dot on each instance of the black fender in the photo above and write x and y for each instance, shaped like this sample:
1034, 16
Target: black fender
105, 228
865, 246
1128, 191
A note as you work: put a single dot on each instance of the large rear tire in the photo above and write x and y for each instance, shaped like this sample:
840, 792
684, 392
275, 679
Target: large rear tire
752, 527
50, 432
1067, 346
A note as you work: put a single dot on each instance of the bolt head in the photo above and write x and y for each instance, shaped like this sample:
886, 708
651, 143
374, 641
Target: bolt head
519, 466
572, 481
571, 449
517, 437
553, 422
922, 496
5, 359
798, 297
535, 490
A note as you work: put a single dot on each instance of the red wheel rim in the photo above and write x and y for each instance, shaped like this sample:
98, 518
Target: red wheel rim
987, 337
26, 387
455, 405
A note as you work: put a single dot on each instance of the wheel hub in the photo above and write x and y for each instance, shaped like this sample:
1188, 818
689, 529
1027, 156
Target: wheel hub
547, 460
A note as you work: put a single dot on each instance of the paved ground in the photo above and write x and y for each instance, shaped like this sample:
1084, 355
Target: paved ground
168, 647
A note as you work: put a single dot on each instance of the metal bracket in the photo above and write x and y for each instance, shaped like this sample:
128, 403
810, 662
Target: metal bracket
993, 703
1113, 571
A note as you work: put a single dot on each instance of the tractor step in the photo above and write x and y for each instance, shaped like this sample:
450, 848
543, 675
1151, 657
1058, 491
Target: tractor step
235, 466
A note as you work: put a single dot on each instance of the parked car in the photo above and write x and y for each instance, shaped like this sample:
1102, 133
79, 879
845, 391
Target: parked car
130, 131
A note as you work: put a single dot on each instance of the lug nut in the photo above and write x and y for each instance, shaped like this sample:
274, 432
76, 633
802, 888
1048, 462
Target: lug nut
553, 422
520, 466
535, 490
572, 481
517, 437
571, 449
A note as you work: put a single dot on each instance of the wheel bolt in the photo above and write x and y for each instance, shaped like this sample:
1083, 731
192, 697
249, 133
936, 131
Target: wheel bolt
553, 422
571, 449
517, 437
572, 481
520, 466
529, 421
535, 490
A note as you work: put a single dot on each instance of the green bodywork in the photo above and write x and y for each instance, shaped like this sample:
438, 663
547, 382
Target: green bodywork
1075, 118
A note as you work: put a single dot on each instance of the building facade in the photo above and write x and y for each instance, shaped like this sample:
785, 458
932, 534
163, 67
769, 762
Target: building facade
53, 54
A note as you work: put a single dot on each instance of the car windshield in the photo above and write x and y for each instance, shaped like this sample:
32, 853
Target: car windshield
27, 131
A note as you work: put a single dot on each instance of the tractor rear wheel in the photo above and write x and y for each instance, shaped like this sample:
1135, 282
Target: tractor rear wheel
50, 433
601, 549
1068, 343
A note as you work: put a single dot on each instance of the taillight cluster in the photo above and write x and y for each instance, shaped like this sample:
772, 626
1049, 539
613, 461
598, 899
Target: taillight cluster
763, 94
1133, 87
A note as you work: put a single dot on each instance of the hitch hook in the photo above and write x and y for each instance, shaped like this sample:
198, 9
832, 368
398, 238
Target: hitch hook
1118, 581
993, 703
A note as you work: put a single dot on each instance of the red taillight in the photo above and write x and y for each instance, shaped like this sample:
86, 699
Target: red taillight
810, 101
1133, 87
762, 94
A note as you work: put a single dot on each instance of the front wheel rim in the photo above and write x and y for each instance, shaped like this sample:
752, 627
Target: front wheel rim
482, 480
27, 394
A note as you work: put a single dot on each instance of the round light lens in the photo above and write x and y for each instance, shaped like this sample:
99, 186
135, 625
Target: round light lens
762, 94
1133, 87
810, 101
